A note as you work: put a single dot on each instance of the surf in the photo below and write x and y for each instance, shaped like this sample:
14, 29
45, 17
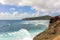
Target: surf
22, 34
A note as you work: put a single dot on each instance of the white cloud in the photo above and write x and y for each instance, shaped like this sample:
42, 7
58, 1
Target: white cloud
45, 6
12, 9
40, 5
2, 1
16, 15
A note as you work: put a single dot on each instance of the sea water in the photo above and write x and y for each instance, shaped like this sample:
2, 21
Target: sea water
21, 29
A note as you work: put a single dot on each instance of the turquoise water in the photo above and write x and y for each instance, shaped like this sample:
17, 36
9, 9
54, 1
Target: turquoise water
21, 30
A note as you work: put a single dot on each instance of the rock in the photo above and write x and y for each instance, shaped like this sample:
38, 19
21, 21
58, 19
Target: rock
52, 31
57, 38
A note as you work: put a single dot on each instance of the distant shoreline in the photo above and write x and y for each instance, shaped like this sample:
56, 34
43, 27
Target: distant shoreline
46, 17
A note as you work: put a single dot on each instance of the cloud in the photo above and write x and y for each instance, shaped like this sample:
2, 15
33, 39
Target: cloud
12, 9
2, 1
41, 5
16, 16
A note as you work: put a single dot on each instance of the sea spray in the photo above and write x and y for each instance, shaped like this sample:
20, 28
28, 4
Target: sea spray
21, 30
22, 34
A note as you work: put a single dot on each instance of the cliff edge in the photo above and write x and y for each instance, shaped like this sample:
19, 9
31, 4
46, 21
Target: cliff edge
53, 32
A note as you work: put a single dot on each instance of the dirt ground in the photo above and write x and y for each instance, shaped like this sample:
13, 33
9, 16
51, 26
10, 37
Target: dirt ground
57, 38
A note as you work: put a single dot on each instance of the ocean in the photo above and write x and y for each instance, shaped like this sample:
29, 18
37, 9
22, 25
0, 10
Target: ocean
21, 29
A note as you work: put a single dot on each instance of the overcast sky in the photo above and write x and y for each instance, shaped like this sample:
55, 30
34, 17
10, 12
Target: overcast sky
18, 9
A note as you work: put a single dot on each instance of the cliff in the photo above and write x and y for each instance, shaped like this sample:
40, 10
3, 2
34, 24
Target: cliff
46, 17
53, 32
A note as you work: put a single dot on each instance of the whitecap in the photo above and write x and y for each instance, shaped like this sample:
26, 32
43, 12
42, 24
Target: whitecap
22, 34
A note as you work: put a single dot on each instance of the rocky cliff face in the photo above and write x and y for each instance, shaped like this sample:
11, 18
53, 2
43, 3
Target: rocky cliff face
52, 32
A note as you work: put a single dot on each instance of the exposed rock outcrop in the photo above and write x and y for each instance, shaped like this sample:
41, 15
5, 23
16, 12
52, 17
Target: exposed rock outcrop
52, 32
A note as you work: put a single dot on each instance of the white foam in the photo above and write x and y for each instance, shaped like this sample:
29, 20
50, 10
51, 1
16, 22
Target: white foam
9, 34
9, 24
22, 34
1, 35
36, 22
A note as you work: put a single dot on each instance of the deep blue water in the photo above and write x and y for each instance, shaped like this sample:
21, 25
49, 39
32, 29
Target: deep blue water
19, 29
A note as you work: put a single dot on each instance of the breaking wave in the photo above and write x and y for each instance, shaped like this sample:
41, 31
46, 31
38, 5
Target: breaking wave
22, 34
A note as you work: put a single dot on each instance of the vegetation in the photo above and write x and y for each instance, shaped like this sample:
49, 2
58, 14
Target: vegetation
38, 18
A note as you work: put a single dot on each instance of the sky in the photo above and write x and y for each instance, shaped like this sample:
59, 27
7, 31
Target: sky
19, 9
